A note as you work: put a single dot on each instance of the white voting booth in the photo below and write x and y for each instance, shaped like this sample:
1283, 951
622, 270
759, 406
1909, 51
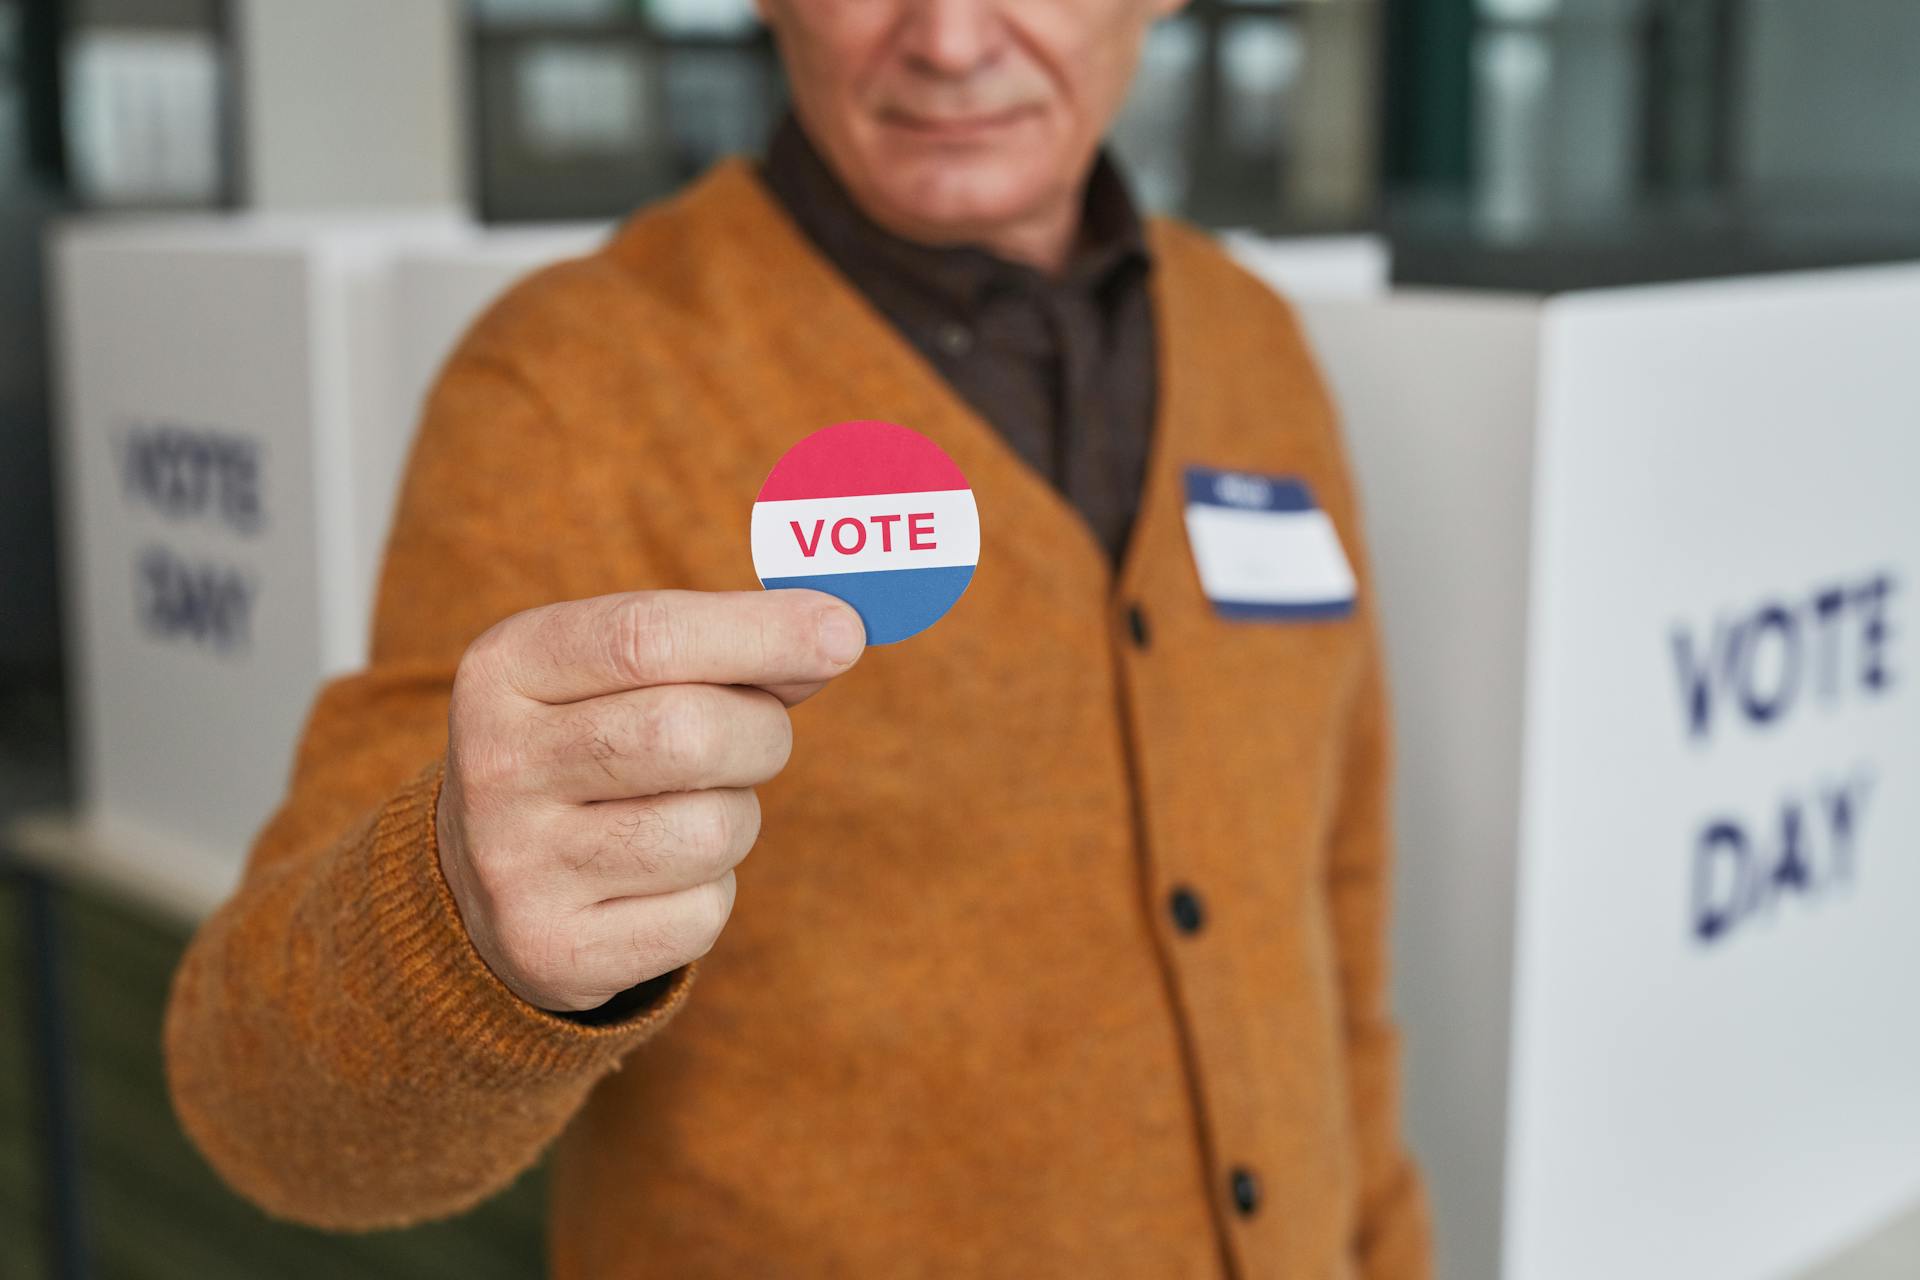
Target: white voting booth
227, 461
1648, 561
237, 400
437, 291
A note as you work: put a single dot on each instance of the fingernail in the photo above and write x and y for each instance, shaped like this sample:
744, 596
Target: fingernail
842, 636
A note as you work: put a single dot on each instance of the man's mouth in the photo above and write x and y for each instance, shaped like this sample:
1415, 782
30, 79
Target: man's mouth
955, 127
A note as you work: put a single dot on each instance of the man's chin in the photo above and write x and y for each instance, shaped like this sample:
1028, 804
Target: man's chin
963, 195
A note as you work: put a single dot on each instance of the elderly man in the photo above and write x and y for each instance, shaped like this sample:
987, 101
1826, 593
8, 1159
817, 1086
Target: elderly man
1062, 954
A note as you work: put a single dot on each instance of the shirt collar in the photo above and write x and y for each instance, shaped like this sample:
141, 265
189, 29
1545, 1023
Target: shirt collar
1111, 244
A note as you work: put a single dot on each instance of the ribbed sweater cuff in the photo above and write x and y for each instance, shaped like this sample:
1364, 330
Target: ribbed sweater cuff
429, 983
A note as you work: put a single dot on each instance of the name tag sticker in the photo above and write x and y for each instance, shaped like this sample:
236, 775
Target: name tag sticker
1264, 549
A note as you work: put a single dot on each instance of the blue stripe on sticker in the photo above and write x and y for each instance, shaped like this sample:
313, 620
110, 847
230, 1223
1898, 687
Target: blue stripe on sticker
894, 603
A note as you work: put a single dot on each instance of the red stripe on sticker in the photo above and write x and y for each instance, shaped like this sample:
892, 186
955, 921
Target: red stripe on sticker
852, 459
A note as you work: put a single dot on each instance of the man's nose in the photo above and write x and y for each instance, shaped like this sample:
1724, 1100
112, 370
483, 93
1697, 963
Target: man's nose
953, 37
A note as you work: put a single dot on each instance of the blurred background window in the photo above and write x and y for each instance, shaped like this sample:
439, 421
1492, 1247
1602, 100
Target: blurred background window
144, 94
585, 108
13, 104
1259, 113
1546, 143
1245, 111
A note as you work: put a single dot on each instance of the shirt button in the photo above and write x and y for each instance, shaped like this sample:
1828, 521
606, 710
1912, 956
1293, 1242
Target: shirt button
1137, 625
1246, 1191
954, 339
1188, 915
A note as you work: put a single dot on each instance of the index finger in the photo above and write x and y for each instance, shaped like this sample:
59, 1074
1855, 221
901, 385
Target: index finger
789, 642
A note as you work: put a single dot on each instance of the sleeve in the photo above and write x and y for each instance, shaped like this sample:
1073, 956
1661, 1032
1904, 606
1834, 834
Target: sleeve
334, 1044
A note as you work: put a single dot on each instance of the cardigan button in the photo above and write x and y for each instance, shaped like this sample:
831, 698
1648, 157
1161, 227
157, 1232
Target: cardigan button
1188, 915
1137, 625
954, 338
1246, 1191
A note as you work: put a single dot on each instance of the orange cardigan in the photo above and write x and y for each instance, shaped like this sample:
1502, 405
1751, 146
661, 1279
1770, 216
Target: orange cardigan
953, 1028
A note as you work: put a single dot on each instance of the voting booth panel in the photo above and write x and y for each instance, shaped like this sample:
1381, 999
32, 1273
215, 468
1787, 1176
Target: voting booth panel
1436, 395
1715, 1036
1329, 266
1645, 558
435, 292
225, 457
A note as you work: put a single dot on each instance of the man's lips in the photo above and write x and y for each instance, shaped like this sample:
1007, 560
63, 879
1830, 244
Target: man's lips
956, 127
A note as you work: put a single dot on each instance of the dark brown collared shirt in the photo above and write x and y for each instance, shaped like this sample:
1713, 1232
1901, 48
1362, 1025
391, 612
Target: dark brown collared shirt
1063, 368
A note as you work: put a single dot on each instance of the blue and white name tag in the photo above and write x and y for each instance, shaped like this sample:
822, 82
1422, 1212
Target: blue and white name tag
1263, 549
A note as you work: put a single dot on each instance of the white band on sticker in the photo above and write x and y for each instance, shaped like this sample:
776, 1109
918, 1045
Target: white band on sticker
804, 537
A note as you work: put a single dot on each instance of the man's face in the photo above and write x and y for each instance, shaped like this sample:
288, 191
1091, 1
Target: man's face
954, 119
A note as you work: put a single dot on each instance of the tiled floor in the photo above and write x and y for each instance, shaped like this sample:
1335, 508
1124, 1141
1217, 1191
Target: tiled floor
155, 1211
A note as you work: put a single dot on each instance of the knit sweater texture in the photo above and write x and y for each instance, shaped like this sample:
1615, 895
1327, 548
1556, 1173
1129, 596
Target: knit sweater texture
953, 1028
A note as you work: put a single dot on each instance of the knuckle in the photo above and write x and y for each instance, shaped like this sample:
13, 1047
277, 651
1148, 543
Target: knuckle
715, 905
487, 763
466, 818
652, 950
472, 702
768, 740
490, 660
711, 825
569, 955
781, 628
735, 825
639, 834
747, 822
486, 875
578, 734
678, 731
782, 731
648, 636
698, 917
483, 656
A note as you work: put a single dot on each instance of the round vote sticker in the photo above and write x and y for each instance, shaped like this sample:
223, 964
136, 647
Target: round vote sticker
875, 514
